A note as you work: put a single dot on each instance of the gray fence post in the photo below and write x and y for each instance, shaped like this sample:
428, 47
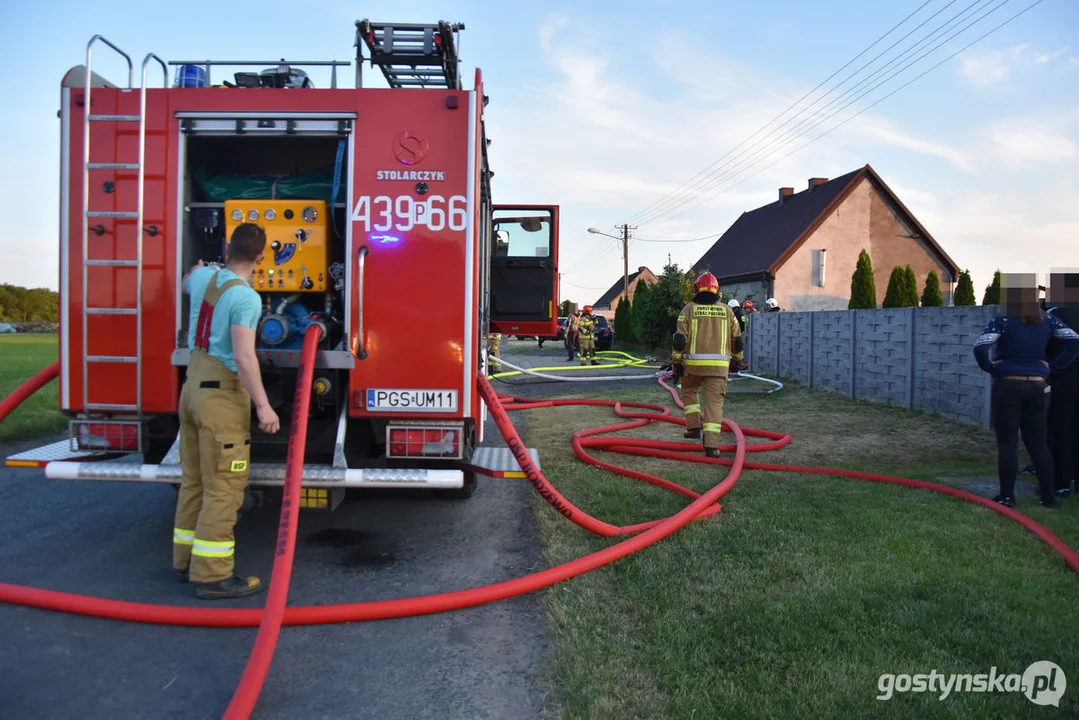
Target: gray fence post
853, 352
912, 348
812, 344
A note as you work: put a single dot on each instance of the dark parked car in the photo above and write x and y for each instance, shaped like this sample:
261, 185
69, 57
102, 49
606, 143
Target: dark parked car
604, 333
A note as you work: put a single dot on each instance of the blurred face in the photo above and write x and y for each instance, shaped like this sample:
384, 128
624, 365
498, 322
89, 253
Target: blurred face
1019, 293
1063, 287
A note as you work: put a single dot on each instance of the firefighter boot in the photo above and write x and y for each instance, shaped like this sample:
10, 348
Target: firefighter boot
692, 433
232, 587
711, 452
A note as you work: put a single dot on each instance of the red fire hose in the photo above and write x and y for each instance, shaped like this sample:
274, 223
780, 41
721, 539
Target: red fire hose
643, 534
258, 664
28, 388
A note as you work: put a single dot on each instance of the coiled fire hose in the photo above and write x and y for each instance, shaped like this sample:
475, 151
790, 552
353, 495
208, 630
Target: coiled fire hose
641, 535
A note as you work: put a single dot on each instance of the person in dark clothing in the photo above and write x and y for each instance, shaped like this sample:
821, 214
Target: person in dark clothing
1021, 334
1064, 385
736, 306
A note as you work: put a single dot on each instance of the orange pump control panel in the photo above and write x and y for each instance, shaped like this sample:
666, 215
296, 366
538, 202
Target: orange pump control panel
297, 257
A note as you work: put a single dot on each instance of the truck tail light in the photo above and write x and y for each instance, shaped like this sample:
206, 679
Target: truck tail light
114, 435
423, 441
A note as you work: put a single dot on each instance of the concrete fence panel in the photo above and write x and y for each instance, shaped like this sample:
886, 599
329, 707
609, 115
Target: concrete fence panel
918, 358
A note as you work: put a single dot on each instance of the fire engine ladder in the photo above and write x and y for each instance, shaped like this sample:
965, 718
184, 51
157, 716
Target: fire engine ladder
118, 215
411, 55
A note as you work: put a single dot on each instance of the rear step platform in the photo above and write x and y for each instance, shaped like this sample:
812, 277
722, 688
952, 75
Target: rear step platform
54, 452
63, 463
499, 462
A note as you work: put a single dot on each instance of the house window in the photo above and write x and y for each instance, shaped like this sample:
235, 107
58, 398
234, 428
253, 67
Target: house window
820, 265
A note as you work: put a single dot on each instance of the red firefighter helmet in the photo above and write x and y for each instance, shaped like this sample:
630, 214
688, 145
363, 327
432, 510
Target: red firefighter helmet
707, 283
587, 309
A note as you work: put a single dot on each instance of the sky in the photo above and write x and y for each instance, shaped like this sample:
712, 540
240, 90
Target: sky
672, 116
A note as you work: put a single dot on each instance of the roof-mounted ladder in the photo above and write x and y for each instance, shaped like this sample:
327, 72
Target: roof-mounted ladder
136, 215
411, 55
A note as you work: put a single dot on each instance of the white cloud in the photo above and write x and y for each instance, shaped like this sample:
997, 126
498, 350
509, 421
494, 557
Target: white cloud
1021, 141
992, 67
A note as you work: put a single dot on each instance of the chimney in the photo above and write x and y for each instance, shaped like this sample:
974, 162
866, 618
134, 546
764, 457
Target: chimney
784, 193
641, 269
814, 182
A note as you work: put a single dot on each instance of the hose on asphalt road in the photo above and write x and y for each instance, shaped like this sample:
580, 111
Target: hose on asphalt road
258, 664
641, 535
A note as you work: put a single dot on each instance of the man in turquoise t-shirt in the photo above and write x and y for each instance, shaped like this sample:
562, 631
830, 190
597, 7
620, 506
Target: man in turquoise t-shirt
223, 378
240, 306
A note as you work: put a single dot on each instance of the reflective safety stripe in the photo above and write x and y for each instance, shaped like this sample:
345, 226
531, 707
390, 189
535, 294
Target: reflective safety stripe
690, 409
207, 548
182, 537
708, 356
713, 427
707, 363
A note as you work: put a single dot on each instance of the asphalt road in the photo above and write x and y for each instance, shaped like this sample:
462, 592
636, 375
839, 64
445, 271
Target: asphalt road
113, 540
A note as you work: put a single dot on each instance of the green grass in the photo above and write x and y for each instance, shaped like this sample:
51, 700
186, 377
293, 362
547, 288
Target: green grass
806, 588
20, 357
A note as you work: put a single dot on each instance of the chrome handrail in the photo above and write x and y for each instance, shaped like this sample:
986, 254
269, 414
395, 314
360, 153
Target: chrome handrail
362, 354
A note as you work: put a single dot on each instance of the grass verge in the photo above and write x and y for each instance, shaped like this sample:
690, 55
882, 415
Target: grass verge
806, 588
21, 356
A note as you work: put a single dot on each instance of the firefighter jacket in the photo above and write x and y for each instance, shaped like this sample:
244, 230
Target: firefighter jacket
586, 326
712, 339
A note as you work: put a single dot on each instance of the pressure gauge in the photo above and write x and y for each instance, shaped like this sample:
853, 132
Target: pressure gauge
237, 214
310, 214
270, 214
252, 215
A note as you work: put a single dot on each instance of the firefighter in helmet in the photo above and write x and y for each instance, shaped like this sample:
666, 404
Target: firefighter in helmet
215, 417
736, 306
586, 331
707, 341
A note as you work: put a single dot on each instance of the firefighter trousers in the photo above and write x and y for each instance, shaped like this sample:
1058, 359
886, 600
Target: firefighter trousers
715, 392
215, 454
588, 349
494, 344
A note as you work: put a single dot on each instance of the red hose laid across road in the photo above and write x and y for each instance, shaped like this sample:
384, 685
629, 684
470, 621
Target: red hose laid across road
28, 388
258, 664
647, 533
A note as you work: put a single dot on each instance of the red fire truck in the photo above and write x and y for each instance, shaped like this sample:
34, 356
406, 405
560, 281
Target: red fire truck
378, 209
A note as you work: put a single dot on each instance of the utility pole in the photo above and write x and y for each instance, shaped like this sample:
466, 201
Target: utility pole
625, 260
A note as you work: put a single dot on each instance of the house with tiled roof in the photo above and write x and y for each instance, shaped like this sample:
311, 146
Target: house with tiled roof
608, 302
803, 247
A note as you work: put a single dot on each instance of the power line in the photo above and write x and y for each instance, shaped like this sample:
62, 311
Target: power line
703, 237
777, 117
721, 175
734, 172
882, 99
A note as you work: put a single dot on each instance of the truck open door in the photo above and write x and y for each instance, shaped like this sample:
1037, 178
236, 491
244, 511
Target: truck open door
524, 270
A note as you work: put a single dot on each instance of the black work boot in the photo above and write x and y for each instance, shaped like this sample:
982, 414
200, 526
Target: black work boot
694, 434
711, 452
232, 587
181, 575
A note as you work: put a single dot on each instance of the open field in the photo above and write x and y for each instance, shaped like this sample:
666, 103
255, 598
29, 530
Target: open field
806, 588
20, 357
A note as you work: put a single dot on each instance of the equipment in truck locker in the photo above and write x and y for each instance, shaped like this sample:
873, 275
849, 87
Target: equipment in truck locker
297, 243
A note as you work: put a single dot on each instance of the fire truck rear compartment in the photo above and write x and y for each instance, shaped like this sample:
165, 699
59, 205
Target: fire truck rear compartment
273, 180
219, 168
